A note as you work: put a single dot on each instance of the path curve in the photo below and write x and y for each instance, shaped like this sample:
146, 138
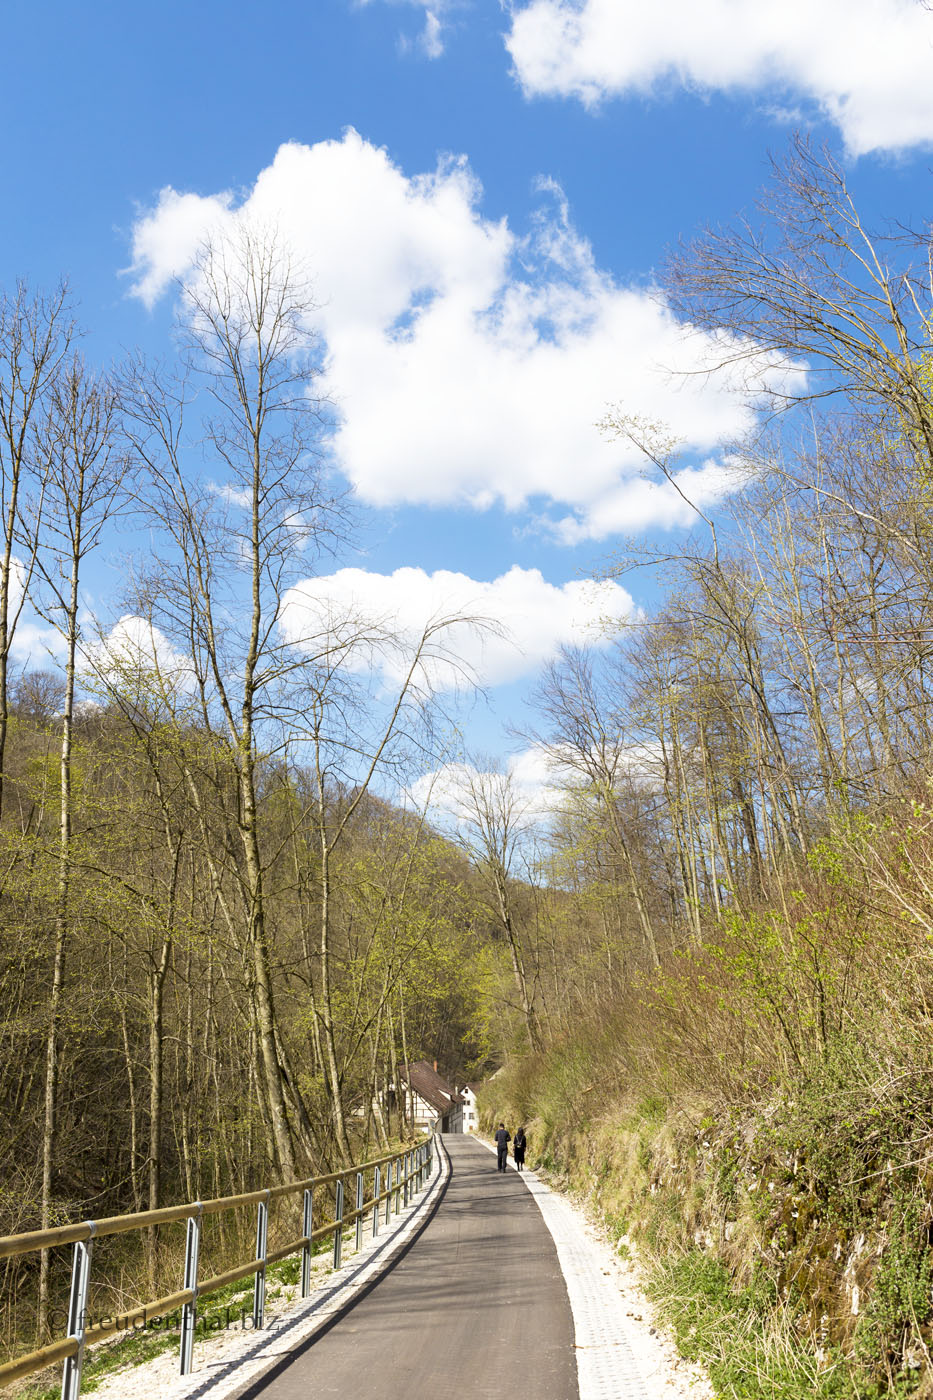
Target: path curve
476, 1304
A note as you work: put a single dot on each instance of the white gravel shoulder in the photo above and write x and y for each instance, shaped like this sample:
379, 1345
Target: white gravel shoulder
622, 1352
227, 1362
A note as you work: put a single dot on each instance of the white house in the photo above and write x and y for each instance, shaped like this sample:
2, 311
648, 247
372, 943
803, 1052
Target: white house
470, 1115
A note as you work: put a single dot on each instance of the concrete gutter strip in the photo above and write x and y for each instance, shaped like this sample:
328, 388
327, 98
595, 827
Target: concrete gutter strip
226, 1365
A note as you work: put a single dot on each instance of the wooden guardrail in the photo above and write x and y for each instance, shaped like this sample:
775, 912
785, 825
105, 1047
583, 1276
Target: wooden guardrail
394, 1178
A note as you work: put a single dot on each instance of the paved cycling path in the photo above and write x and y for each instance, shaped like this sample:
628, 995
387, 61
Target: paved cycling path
476, 1305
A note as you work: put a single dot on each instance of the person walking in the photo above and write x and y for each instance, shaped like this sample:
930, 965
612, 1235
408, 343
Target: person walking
503, 1138
518, 1149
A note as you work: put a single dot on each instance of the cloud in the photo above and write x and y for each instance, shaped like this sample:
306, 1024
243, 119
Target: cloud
528, 786
430, 42
865, 65
638, 505
532, 620
535, 784
34, 643
166, 240
469, 363
136, 655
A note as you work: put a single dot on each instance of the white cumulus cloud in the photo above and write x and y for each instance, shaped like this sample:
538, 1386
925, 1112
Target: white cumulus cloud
864, 65
532, 785
166, 239
528, 787
137, 655
532, 619
468, 363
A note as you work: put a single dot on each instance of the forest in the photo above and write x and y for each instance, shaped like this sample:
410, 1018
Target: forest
705, 962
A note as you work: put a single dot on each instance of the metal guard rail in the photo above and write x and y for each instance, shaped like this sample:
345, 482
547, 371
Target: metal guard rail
406, 1173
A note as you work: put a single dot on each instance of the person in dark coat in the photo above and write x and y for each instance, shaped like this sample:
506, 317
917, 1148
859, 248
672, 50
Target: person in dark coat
518, 1149
503, 1139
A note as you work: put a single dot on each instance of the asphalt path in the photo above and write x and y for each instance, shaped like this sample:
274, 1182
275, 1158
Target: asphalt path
476, 1305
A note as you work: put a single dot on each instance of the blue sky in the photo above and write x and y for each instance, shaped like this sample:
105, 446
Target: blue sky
482, 194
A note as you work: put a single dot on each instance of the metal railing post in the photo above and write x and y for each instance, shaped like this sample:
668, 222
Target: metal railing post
189, 1312
338, 1231
77, 1313
396, 1180
307, 1226
262, 1245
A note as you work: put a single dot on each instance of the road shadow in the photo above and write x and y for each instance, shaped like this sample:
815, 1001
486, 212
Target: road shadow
255, 1388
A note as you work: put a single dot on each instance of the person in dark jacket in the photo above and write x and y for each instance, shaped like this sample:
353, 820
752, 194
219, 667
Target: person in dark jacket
503, 1139
518, 1149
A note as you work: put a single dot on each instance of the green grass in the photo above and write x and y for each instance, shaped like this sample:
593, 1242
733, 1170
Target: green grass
747, 1339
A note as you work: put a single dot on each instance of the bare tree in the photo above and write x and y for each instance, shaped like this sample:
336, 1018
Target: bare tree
83, 473
587, 739
35, 332
494, 819
236, 540
813, 284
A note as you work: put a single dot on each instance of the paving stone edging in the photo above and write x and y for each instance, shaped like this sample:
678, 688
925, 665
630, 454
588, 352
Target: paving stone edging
606, 1364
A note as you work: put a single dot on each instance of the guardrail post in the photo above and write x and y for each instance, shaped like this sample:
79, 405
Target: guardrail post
338, 1231
377, 1191
389, 1194
77, 1313
307, 1227
359, 1211
262, 1245
189, 1312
